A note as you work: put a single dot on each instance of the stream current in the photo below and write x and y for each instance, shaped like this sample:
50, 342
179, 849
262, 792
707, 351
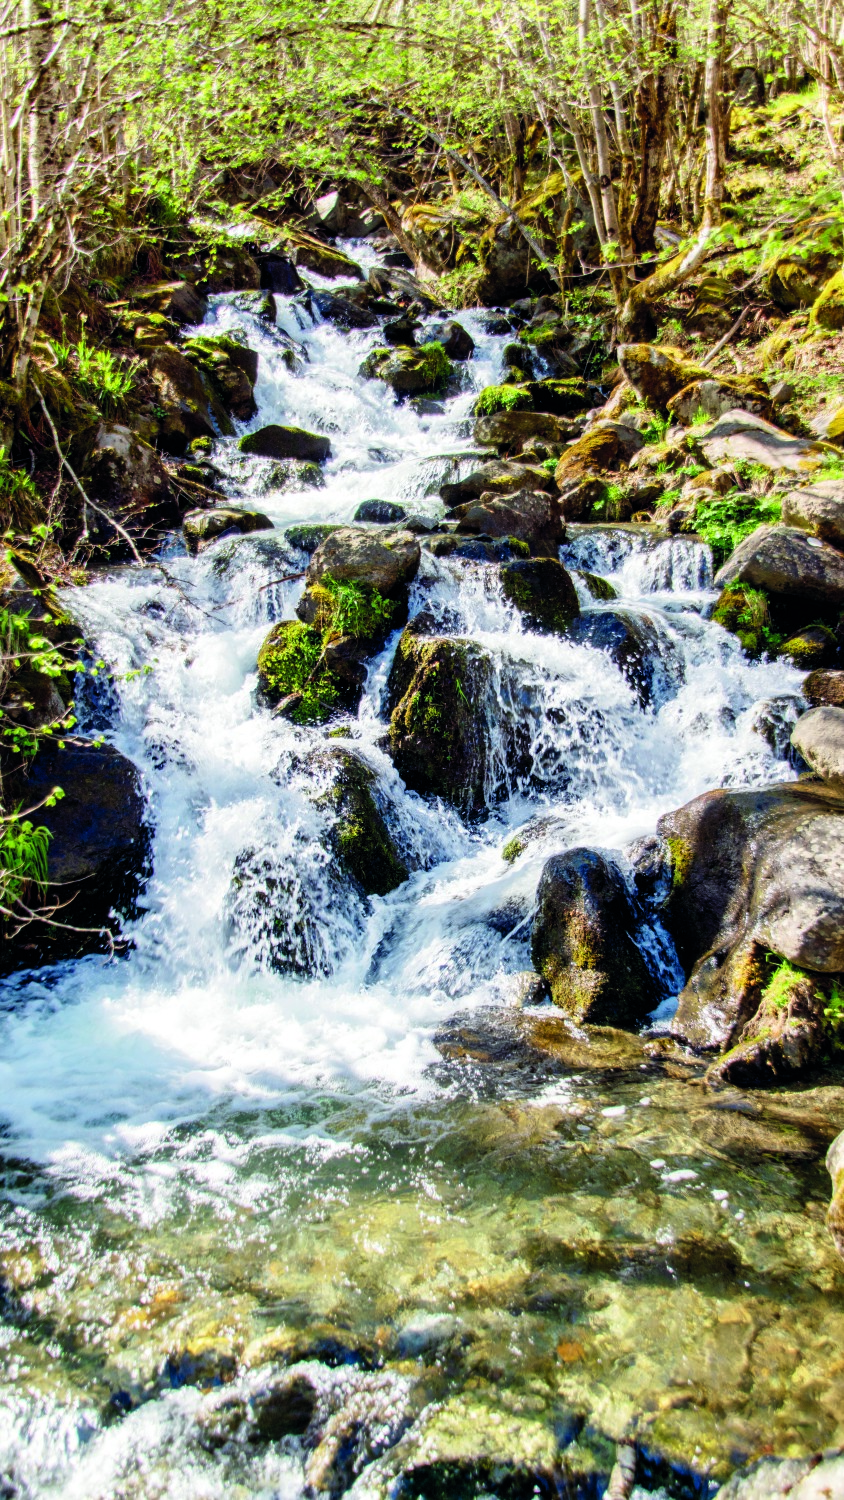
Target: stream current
207, 1163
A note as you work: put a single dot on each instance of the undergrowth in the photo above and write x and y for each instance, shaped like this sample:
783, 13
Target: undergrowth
726, 520
502, 398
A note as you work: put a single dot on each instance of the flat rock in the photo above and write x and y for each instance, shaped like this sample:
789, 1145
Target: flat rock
818, 509
511, 429
531, 516
785, 561
500, 477
714, 396
819, 737
740, 434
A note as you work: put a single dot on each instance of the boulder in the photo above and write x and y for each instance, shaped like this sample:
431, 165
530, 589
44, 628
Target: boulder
582, 942
818, 509
828, 306
658, 373
330, 211
400, 333
436, 692
279, 275
788, 564
128, 480
457, 343
381, 512
785, 1038
813, 646
714, 396
741, 435
308, 536
286, 442
530, 516
584, 499
475, 548
204, 526
400, 286
183, 395
818, 1477
178, 300
753, 873
562, 397
511, 429
409, 372
382, 561
306, 250
824, 687
543, 593
606, 445
231, 369
98, 856
361, 838
344, 311
644, 656
835, 1167
297, 678
496, 478
819, 737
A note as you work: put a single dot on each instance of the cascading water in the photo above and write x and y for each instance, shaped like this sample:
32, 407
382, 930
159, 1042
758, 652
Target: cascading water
201, 1149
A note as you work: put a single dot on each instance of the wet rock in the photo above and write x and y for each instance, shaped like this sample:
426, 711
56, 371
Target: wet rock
476, 549
343, 311
599, 588
543, 592
274, 441
789, 564
582, 941
204, 526
401, 285
753, 873
657, 374
510, 430
261, 304
818, 1477
713, 397
562, 397
306, 250
825, 687
632, 640
184, 398
606, 445
98, 856
287, 474
835, 1217
128, 480
818, 509
456, 341
530, 516
310, 535
361, 837
814, 646
296, 678
230, 367
400, 334
497, 478
381, 512
584, 499
278, 274
741, 435
819, 737
436, 692
373, 1413
784, 1039
409, 372
383, 561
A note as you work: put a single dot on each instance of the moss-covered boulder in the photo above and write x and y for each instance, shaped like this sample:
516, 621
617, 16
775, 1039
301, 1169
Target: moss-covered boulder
307, 536
204, 526
599, 588
606, 445
381, 561
657, 373
185, 400
743, 611
295, 678
361, 838
784, 1039
813, 646
436, 691
542, 592
531, 516
230, 367
275, 441
306, 250
409, 372
495, 478
581, 941
712, 397
828, 307
563, 398
795, 274
503, 398
710, 312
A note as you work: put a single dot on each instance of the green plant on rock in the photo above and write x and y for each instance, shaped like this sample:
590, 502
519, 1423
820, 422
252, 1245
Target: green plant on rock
355, 610
19, 498
656, 428
744, 612
726, 520
292, 661
105, 378
782, 984
834, 1011
503, 398
23, 860
436, 365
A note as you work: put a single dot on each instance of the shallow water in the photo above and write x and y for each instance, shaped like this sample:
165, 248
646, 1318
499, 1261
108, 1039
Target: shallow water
208, 1164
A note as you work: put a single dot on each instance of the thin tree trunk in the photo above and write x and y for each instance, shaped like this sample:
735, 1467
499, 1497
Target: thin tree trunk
716, 37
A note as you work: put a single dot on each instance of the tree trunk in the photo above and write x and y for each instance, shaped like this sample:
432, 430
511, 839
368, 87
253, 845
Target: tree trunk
716, 40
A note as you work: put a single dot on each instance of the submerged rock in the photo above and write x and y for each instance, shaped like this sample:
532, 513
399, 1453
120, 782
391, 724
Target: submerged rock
645, 657
286, 442
98, 857
436, 691
543, 592
582, 944
818, 1477
819, 737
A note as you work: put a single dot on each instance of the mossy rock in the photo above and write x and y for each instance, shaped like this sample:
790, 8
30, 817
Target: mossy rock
815, 646
436, 690
308, 536
658, 373
828, 307
494, 398
361, 838
562, 398
599, 588
207, 349
294, 677
543, 593
744, 612
410, 372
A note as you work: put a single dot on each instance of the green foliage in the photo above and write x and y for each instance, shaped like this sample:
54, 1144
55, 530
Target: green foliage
105, 378
459, 288
782, 984
503, 398
355, 610
19, 498
292, 661
61, 351
23, 858
744, 611
726, 520
656, 429
436, 365
834, 1011
833, 468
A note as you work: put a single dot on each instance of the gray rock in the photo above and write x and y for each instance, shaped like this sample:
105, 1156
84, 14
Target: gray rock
203, 526
274, 441
818, 509
786, 562
739, 434
385, 561
381, 512
512, 429
835, 1167
530, 516
715, 397
582, 945
819, 737
456, 341
824, 686
496, 477
330, 211
543, 592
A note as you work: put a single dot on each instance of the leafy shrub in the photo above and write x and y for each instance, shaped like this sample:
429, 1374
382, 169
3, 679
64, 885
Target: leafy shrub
18, 496
726, 520
23, 858
503, 398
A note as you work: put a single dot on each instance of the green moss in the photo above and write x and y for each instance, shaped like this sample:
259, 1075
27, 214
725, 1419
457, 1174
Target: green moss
599, 588
681, 860
546, 335
503, 398
291, 662
785, 979
520, 548
436, 364
744, 612
512, 849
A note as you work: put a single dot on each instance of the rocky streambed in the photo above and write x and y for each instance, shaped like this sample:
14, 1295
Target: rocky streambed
385, 1160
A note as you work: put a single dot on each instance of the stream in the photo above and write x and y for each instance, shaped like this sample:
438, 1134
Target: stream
379, 1161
